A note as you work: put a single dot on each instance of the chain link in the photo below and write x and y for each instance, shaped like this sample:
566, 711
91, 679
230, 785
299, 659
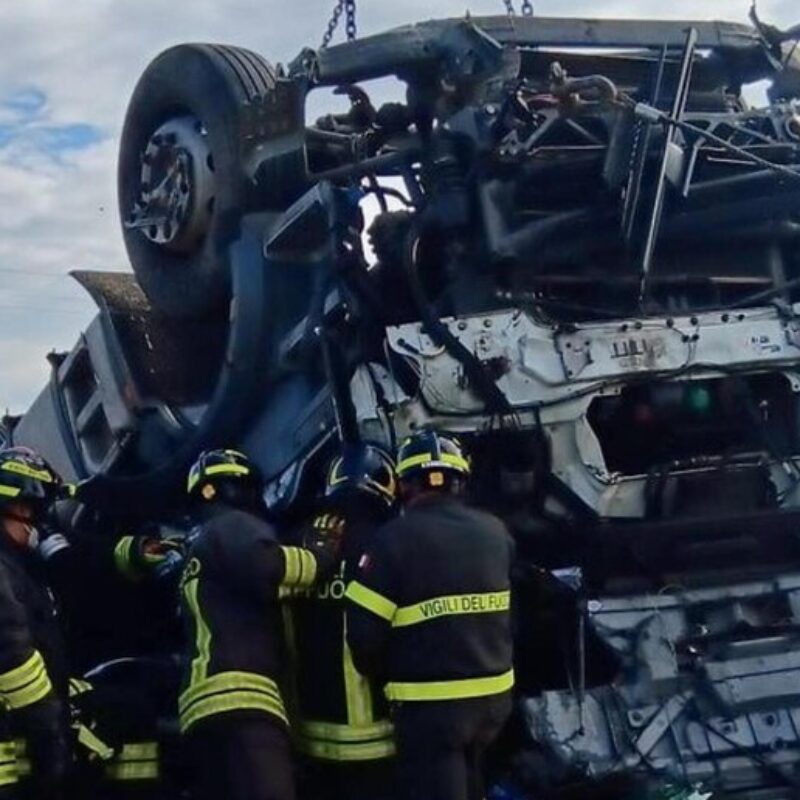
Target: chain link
350, 8
510, 7
527, 8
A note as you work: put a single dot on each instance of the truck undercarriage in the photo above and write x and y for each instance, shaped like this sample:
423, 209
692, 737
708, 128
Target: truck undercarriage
576, 244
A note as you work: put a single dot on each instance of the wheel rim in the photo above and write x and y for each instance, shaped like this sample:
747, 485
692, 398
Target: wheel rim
176, 186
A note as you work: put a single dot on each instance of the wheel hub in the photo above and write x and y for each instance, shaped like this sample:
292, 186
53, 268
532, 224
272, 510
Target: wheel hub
176, 191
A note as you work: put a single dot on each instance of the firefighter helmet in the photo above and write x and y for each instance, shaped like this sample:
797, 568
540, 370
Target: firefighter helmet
224, 475
365, 468
433, 457
25, 477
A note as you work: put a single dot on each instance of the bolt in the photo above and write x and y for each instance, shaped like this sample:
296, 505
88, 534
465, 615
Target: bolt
487, 323
637, 325
670, 323
490, 110
623, 327
462, 326
693, 321
725, 317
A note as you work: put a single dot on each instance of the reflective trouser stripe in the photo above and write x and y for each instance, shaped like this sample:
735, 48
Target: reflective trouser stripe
230, 691
8, 763
137, 761
450, 605
26, 684
368, 598
450, 690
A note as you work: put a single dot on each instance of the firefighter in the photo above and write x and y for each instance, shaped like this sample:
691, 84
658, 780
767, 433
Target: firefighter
33, 665
428, 616
231, 709
342, 724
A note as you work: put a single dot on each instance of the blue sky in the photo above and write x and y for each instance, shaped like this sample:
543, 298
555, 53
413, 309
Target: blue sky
67, 72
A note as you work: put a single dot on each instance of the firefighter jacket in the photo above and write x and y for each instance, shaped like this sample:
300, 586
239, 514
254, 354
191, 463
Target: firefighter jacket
33, 666
230, 591
428, 611
340, 715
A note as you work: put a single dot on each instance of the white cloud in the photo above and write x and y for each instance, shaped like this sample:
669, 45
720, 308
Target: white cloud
85, 56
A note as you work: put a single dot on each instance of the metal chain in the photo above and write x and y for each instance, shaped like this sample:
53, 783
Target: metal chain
348, 7
332, 24
510, 8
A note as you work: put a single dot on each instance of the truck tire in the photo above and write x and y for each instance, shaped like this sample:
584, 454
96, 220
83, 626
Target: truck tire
196, 114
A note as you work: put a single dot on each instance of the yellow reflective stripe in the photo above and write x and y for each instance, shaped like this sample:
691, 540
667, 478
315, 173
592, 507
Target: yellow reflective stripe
357, 691
26, 684
23, 762
217, 469
8, 774
8, 751
202, 632
23, 674
309, 568
123, 559
133, 771
449, 605
42, 475
228, 681
450, 690
138, 751
241, 700
227, 469
367, 598
291, 569
93, 743
78, 687
300, 568
136, 761
230, 691
335, 732
9, 491
444, 460
335, 751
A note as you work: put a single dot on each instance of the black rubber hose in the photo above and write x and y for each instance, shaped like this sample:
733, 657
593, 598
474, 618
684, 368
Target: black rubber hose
496, 402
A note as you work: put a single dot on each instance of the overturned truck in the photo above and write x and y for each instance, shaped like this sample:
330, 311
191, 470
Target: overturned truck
573, 242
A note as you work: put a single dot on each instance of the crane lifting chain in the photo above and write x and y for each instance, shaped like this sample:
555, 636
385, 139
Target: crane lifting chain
348, 8
527, 8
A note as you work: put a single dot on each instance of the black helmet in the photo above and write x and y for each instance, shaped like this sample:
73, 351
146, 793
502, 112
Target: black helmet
365, 468
226, 475
25, 477
433, 457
